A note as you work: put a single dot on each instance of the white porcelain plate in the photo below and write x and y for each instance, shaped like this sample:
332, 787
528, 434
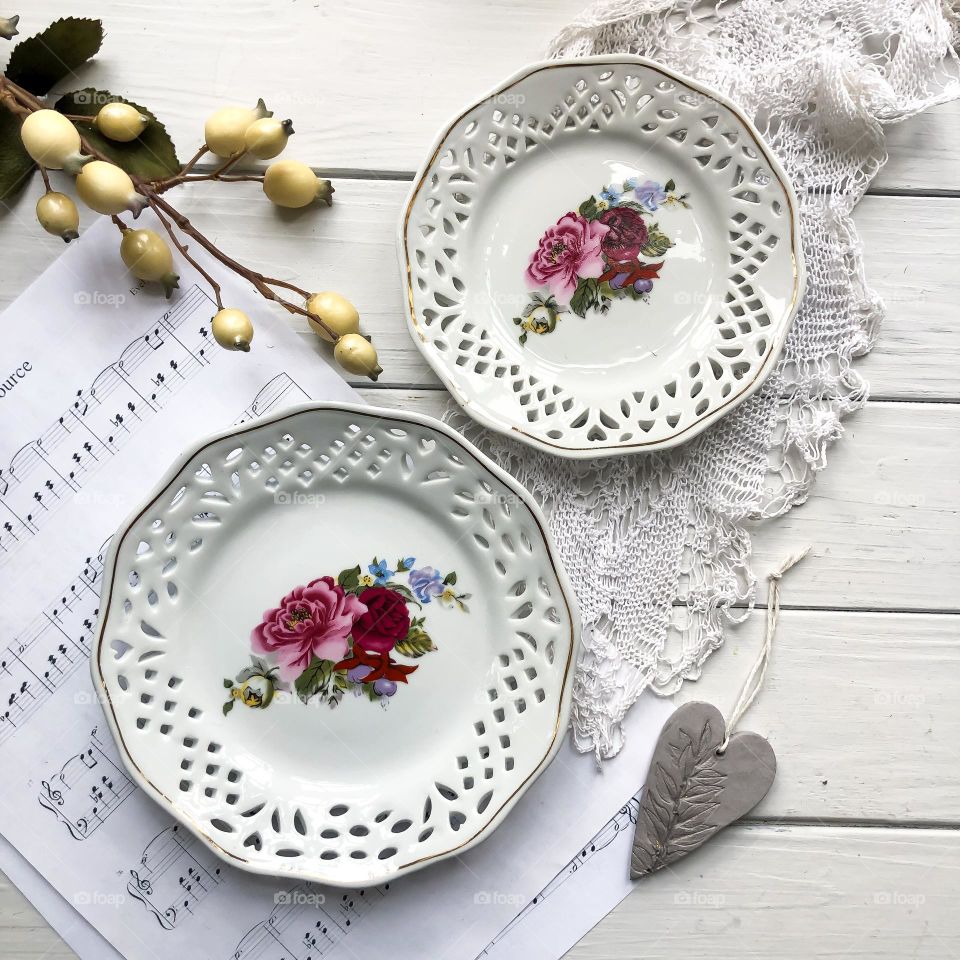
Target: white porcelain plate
336, 644
601, 256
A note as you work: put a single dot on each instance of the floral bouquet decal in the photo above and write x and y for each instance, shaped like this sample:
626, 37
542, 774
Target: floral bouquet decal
332, 636
610, 248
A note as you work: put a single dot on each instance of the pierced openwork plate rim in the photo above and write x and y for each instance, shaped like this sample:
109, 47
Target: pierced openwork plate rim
515, 428
163, 487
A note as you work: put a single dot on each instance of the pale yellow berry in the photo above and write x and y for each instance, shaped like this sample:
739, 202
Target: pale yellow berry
148, 257
356, 355
225, 129
232, 329
121, 122
52, 140
290, 183
336, 312
107, 189
267, 137
58, 215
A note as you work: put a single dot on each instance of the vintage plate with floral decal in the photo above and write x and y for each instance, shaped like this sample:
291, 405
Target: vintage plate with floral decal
336, 643
601, 256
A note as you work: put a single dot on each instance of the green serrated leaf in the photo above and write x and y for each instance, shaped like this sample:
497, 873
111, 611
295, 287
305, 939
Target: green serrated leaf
415, 644
151, 156
42, 61
227, 683
589, 209
657, 243
349, 579
315, 679
523, 337
16, 165
450, 579
584, 297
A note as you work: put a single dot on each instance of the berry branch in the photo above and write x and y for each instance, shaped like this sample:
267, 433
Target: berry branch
123, 161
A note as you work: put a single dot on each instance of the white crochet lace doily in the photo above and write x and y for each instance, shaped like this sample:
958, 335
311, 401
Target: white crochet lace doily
656, 544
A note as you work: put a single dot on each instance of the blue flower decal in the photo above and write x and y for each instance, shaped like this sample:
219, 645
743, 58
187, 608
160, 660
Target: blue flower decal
380, 571
611, 195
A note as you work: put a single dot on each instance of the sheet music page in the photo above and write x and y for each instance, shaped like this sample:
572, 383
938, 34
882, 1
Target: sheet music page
577, 898
102, 384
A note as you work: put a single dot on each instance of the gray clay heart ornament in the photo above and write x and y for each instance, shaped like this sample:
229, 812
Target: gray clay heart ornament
692, 791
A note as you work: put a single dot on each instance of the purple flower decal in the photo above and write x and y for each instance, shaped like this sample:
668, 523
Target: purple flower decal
426, 583
650, 195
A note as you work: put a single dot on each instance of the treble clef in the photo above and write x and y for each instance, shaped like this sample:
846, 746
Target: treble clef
55, 795
143, 885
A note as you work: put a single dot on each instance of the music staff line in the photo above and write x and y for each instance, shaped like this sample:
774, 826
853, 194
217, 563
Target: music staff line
52, 468
88, 788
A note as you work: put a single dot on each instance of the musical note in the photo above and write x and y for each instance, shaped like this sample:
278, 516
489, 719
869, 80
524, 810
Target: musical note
89, 787
101, 417
624, 819
175, 873
306, 923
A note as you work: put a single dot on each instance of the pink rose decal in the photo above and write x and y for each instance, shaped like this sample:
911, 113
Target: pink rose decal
568, 252
311, 621
612, 248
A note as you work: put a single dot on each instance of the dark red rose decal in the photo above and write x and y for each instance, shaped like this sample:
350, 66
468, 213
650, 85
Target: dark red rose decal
334, 636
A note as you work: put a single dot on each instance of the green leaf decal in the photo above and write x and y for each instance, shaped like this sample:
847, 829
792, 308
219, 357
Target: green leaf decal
16, 165
450, 579
415, 644
151, 156
657, 243
589, 209
40, 62
584, 297
349, 579
669, 186
315, 679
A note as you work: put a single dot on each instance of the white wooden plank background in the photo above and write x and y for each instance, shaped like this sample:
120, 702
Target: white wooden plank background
855, 851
